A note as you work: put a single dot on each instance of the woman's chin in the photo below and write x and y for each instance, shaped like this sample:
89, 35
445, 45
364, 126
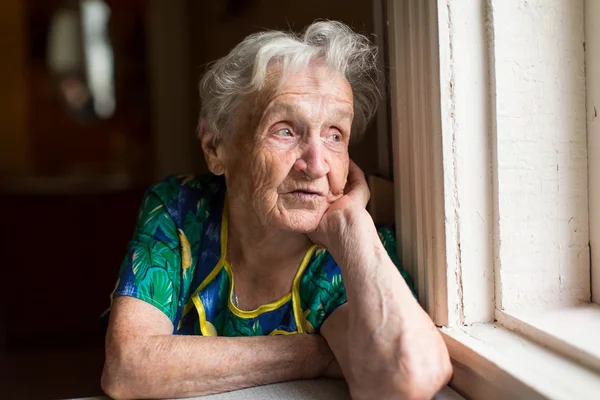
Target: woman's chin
301, 221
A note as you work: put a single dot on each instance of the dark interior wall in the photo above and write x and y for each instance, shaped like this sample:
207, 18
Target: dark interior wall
217, 26
68, 225
62, 143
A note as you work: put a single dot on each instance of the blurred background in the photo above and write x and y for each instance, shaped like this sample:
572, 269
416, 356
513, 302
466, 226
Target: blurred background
98, 101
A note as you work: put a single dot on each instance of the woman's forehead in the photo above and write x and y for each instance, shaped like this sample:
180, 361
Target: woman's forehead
295, 93
302, 104
313, 78
285, 91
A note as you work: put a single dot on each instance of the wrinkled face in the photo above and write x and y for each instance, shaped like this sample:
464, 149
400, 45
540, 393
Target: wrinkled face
288, 159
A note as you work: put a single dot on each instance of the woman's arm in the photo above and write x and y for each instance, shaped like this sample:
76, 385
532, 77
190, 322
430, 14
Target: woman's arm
386, 345
144, 359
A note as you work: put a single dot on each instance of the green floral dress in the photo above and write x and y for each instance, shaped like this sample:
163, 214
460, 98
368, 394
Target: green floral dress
177, 262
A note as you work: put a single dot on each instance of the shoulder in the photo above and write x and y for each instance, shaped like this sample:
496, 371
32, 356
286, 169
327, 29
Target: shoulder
182, 195
173, 187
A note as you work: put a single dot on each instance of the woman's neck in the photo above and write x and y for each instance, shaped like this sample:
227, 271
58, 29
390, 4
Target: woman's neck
258, 247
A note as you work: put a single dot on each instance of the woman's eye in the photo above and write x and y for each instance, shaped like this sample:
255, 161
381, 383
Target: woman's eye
284, 132
336, 137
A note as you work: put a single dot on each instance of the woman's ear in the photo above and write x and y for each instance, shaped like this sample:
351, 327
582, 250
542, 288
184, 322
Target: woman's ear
211, 146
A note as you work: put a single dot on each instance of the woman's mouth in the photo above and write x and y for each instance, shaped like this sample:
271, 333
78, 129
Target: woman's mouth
306, 195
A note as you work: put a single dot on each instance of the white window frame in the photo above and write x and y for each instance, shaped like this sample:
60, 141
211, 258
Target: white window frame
443, 71
592, 35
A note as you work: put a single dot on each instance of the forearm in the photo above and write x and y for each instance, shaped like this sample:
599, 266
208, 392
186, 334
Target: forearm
168, 366
377, 293
394, 349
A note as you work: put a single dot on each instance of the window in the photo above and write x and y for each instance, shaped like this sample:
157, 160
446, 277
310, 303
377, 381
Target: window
491, 163
592, 35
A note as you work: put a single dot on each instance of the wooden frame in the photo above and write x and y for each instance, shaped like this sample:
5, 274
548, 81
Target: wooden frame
416, 137
442, 243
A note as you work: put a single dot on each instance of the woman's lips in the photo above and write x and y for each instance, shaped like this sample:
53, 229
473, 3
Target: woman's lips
306, 195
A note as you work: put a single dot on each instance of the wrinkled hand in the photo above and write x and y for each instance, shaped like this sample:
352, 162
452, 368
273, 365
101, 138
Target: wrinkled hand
344, 212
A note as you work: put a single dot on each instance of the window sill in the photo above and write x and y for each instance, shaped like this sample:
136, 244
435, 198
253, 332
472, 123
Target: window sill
572, 331
491, 362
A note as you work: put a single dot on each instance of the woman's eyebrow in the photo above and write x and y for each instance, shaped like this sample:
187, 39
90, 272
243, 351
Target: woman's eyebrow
275, 109
343, 113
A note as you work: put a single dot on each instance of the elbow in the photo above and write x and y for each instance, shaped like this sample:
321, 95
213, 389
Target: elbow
424, 378
117, 381
411, 371
112, 386
422, 386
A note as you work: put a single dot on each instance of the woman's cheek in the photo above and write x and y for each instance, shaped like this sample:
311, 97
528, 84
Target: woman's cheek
339, 171
271, 166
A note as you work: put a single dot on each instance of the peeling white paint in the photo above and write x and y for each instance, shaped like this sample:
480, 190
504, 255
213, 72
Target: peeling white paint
467, 156
448, 129
451, 166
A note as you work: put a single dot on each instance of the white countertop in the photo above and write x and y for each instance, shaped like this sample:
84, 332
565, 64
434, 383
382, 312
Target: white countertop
310, 389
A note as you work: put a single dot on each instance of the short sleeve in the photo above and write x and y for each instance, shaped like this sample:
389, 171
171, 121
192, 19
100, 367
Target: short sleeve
321, 291
338, 298
151, 269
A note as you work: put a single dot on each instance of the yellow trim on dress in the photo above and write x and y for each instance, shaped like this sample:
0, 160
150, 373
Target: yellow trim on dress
202, 316
296, 289
191, 302
256, 312
276, 332
195, 297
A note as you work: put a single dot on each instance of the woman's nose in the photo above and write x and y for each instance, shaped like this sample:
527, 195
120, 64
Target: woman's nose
312, 160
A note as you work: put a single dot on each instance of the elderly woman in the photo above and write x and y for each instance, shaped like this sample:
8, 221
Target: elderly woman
271, 269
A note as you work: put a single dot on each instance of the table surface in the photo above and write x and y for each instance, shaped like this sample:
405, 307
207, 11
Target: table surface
310, 389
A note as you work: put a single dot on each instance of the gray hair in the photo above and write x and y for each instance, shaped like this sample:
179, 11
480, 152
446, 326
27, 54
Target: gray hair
244, 70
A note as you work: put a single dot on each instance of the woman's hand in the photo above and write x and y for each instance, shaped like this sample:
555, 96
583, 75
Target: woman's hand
348, 212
